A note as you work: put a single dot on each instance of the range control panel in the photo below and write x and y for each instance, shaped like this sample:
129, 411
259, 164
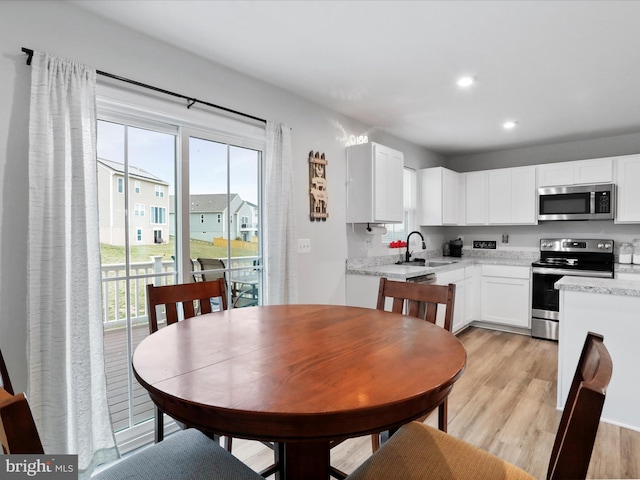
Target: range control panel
485, 244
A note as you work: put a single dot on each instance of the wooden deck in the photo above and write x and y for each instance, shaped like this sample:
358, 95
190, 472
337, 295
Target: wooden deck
117, 361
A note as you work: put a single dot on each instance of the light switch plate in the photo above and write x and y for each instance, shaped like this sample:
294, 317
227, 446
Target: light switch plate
304, 245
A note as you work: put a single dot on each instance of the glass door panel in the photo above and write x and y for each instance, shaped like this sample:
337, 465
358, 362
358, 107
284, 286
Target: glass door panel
136, 190
224, 217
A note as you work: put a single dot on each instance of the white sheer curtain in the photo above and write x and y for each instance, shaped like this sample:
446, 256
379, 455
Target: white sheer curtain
67, 383
282, 285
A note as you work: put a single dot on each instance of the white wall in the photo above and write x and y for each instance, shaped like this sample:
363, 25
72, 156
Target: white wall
64, 30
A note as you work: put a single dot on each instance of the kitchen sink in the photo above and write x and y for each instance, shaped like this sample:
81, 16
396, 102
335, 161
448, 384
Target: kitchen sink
439, 263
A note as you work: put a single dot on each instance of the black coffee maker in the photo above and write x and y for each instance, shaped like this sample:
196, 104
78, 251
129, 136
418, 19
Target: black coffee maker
455, 248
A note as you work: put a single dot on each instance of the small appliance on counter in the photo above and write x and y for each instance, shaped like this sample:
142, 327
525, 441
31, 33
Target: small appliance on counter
455, 247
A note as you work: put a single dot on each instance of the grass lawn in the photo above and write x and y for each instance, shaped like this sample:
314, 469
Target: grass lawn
142, 253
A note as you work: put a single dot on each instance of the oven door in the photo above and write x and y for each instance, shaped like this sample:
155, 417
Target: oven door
545, 305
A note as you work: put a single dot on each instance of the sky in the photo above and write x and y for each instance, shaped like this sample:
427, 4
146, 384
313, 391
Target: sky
155, 152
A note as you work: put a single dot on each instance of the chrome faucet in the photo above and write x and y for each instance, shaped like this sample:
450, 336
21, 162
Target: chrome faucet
407, 255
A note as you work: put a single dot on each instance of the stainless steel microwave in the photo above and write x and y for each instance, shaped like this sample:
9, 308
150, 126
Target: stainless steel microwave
577, 202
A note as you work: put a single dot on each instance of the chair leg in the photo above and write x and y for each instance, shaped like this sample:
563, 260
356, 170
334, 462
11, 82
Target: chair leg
159, 432
375, 442
227, 443
443, 416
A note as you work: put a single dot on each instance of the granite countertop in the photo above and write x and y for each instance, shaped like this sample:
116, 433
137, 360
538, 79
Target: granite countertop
627, 268
374, 267
606, 286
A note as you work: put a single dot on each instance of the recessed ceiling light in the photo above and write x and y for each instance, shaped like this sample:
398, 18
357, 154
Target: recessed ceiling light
465, 82
509, 125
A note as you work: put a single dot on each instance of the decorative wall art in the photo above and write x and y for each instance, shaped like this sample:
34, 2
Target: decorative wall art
318, 197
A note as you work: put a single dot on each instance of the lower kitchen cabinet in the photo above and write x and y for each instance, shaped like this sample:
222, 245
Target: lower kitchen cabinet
467, 282
505, 295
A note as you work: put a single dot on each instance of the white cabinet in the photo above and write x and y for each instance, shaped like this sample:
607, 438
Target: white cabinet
457, 278
512, 196
505, 295
472, 275
476, 198
375, 184
465, 309
597, 170
627, 170
439, 196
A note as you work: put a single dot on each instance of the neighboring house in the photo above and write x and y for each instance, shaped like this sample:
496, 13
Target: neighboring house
148, 205
211, 217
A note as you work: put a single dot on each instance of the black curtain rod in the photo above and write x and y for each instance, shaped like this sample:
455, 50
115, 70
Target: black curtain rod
192, 101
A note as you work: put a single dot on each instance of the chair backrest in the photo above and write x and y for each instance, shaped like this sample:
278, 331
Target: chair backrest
211, 264
581, 416
172, 295
5, 381
422, 300
18, 432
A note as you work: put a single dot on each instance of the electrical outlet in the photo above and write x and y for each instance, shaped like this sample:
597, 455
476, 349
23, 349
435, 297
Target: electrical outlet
304, 245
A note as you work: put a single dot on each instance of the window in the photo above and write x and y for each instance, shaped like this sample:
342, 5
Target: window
136, 186
399, 231
120, 185
159, 191
219, 218
244, 222
139, 234
202, 218
138, 209
158, 215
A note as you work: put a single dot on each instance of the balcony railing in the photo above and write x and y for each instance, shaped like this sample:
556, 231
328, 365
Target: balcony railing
156, 271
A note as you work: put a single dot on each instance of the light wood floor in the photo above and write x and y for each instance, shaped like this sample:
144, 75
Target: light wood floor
504, 403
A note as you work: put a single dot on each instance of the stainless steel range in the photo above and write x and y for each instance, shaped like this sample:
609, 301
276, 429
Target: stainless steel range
560, 257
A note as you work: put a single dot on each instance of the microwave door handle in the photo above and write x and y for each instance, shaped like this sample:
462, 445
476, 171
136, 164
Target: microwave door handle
592, 202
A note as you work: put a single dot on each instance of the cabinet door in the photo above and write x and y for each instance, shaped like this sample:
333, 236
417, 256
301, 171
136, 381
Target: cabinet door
457, 278
500, 196
505, 301
523, 195
628, 193
388, 185
471, 294
450, 195
598, 170
476, 198
555, 174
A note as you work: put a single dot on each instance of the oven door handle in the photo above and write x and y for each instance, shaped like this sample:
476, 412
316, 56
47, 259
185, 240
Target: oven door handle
573, 273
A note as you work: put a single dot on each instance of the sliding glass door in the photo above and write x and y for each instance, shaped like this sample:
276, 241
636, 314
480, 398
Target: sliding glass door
174, 207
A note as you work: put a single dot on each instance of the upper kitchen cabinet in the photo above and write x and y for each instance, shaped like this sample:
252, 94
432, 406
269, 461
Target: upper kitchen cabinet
476, 202
512, 196
597, 170
374, 184
627, 170
439, 196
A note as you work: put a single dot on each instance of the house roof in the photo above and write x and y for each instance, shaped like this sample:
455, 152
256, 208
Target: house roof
210, 203
133, 171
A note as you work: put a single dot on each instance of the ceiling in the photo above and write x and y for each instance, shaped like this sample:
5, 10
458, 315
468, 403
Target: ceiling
563, 70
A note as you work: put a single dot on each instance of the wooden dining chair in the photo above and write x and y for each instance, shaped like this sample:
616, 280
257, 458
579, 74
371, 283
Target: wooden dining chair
185, 295
423, 301
419, 452
5, 381
187, 454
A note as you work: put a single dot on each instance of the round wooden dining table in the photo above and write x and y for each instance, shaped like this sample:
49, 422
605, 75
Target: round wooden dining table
299, 375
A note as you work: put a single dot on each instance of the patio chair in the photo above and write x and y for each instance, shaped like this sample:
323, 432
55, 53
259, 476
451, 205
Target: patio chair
214, 268
187, 454
420, 452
